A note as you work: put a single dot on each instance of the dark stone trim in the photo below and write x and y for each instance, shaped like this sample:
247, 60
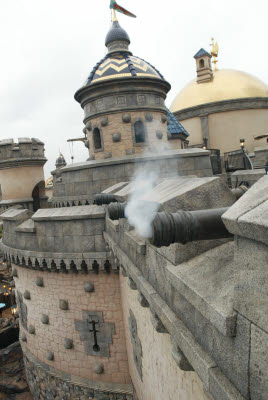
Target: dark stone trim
222, 106
126, 110
126, 85
59, 380
94, 262
173, 136
22, 162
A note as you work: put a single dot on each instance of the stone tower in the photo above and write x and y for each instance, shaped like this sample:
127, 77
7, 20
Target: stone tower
123, 101
203, 66
22, 164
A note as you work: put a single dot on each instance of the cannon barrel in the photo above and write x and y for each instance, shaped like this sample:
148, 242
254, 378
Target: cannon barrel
116, 210
188, 226
104, 198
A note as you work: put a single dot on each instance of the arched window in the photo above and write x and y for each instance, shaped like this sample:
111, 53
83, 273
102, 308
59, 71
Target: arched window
201, 63
139, 131
97, 139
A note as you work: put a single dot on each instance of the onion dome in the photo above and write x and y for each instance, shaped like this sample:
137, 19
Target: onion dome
60, 161
116, 33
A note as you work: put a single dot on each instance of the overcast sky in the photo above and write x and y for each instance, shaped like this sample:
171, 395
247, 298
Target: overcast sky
48, 48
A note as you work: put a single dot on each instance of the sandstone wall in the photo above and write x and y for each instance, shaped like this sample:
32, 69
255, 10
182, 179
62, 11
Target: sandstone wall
62, 325
160, 376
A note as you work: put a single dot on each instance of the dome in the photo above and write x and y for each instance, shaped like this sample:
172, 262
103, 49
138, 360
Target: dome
60, 161
49, 183
120, 65
116, 33
226, 84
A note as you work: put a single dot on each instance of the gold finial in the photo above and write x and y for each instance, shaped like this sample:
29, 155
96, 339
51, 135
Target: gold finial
214, 52
115, 17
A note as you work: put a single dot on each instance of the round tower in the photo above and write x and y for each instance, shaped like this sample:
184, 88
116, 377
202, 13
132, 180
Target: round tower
21, 173
123, 101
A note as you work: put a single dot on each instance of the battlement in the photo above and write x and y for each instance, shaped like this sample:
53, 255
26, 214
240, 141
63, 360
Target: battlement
25, 152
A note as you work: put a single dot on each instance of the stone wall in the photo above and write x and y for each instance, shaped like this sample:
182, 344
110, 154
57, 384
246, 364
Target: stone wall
161, 378
21, 171
117, 133
78, 184
58, 309
48, 383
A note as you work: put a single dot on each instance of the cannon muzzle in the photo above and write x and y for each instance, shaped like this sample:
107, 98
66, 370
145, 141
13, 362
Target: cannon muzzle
188, 226
104, 198
116, 210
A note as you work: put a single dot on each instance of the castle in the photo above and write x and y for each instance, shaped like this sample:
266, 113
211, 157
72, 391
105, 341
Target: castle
108, 310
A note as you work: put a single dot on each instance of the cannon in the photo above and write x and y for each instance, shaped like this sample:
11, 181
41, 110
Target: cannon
187, 226
116, 210
104, 198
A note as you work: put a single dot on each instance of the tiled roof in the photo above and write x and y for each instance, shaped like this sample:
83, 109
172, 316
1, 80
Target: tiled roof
202, 52
119, 65
175, 126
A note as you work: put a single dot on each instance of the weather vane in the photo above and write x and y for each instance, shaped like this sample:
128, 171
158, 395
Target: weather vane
214, 52
114, 6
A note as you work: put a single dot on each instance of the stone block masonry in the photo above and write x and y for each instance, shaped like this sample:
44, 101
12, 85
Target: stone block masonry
104, 302
82, 181
48, 383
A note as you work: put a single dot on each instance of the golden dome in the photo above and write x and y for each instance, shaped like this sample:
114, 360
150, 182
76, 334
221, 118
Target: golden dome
226, 84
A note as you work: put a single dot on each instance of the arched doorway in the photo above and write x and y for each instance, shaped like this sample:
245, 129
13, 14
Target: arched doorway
37, 194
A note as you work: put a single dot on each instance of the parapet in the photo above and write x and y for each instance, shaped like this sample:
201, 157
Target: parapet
23, 153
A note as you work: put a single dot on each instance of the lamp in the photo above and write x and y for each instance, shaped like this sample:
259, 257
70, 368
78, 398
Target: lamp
242, 143
205, 143
14, 309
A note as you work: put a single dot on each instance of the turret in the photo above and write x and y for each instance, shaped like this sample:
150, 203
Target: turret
203, 66
22, 174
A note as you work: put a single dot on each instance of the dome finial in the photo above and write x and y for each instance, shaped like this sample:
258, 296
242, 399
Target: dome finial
214, 52
115, 17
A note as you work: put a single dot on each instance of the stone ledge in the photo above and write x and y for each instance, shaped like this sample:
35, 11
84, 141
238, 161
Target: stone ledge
15, 214
222, 106
69, 213
105, 387
57, 259
26, 227
209, 287
221, 388
15, 201
135, 241
250, 201
113, 224
135, 158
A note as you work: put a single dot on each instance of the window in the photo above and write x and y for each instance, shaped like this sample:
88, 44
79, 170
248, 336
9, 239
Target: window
97, 139
139, 132
201, 63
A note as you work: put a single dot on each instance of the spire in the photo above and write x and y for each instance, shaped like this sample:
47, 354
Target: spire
117, 39
214, 52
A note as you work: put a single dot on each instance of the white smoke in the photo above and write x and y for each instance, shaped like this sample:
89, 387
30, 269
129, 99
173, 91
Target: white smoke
141, 208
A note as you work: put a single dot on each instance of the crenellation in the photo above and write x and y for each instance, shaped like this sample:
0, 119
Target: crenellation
25, 151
